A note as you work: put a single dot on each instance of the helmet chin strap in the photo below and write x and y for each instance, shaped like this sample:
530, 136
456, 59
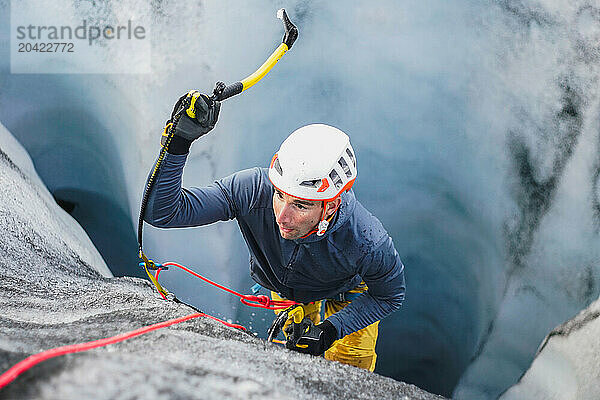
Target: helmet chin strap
323, 223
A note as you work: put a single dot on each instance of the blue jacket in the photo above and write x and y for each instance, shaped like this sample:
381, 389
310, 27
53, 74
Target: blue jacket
355, 248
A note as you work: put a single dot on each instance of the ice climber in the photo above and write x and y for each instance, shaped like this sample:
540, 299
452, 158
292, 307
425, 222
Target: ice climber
309, 239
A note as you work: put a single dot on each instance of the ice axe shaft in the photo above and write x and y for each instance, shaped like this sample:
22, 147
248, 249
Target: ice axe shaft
222, 91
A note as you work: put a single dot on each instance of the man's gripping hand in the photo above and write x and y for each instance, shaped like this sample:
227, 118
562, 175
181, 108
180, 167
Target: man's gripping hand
311, 339
199, 116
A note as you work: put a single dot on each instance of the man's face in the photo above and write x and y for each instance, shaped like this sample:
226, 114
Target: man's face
295, 217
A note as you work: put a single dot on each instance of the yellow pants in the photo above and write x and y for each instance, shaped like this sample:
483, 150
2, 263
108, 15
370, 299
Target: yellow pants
357, 348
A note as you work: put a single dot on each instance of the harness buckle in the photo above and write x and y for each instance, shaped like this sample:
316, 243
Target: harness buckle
151, 265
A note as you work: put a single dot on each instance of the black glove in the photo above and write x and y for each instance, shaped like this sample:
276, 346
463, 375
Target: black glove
312, 339
195, 121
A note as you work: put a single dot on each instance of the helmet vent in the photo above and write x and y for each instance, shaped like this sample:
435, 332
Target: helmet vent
335, 178
351, 156
345, 167
277, 166
312, 184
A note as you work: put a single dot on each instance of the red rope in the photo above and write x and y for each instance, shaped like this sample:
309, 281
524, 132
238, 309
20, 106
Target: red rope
35, 359
248, 299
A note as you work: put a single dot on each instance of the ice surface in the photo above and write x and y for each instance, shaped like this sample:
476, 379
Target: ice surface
31, 218
567, 366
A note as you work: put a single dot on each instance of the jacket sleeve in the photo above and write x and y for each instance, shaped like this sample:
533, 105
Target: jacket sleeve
172, 206
383, 272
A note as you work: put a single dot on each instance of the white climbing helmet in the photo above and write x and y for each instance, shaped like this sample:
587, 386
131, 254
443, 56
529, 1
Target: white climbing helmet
316, 162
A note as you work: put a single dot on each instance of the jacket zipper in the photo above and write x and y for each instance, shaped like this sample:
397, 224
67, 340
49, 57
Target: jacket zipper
288, 267
293, 257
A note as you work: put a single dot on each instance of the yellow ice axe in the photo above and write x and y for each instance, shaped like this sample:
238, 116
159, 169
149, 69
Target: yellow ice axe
223, 92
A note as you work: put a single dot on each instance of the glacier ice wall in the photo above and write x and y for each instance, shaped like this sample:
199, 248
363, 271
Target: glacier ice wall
475, 123
33, 222
545, 97
566, 366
